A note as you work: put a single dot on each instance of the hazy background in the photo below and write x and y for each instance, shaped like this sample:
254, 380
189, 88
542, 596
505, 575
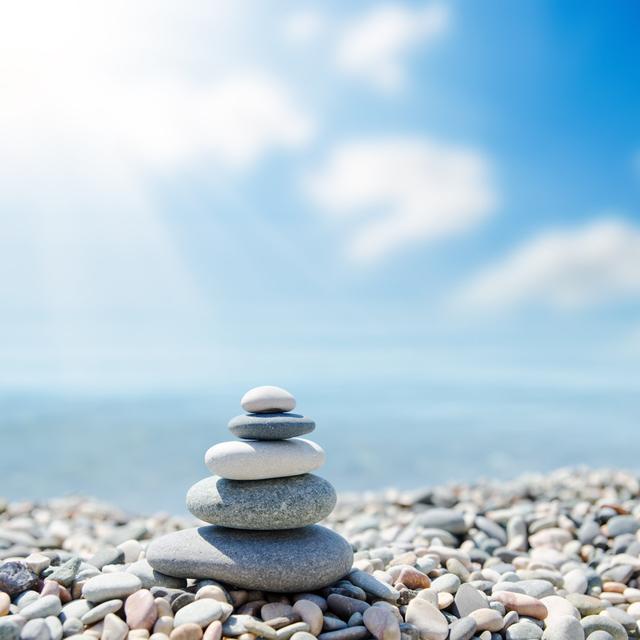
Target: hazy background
423, 219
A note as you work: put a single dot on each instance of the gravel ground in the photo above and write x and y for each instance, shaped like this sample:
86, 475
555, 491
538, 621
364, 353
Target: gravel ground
553, 556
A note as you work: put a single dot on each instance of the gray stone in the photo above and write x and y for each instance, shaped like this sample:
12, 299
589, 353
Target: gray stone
65, 574
270, 426
201, 612
563, 628
619, 525
278, 503
149, 577
523, 630
603, 623
600, 635
372, 585
109, 586
55, 627
41, 608
36, 629
491, 528
304, 559
107, 555
101, 611
462, 629
440, 518
16, 578
468, 599
9, 630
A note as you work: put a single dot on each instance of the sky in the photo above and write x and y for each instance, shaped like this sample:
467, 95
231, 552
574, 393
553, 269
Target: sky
390, 195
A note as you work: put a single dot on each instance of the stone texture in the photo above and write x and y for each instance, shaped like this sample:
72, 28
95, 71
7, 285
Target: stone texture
140, 610
278, 503
271, 426
267, 399
108, 586
259, 460
563, 628
429, 621
292, 560
16, 578
202, 612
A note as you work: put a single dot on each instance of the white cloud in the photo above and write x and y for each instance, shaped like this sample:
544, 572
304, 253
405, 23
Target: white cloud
399, 192
375, 46
566, 269
304, 26
97, 95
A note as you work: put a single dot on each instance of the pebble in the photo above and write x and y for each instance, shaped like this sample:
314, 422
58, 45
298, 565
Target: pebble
9, 630
468, 599
55, 627
267, 399
15, 578
310, 613
271, 426
525, 605
202, 612
140, 610
563, 628
41, 608
151, 578
101, 611
114, 628
381, 623
189, 631
487, 619
66, 573
109, 586
277, 503
35, 629
261, 460
5, 603
523, 630
266, 560
586, 605
372, 585
603, 623
348, 633
429, 621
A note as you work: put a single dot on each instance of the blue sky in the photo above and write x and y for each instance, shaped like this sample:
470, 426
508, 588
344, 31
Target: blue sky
392, 194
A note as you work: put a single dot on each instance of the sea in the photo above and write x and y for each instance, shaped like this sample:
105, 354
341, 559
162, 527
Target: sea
143, 451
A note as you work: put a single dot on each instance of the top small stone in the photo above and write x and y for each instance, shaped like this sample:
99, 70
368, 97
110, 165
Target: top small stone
267, 400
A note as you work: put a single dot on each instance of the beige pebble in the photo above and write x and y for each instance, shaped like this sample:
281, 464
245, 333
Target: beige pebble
487, 619
616, 587
138, 634
212, 591
445, 599
140, 610
525, 605
5, 603
188, 631
213, 631
310, 613
114, 628
275, 610
158, 636
163, 607
286, 632
164, 624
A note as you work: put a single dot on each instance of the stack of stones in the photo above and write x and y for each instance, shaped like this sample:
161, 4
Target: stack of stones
262, 504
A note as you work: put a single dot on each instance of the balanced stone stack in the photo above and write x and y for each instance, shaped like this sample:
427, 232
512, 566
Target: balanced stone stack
262, 503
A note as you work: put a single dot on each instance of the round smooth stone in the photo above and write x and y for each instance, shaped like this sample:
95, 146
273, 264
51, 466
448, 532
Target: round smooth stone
267, 399
292, 560
110, 586
258, 460
271, 426
278, 503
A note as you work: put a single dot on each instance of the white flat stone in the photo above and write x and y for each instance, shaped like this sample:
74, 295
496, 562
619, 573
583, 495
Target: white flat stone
262, 459
267, 399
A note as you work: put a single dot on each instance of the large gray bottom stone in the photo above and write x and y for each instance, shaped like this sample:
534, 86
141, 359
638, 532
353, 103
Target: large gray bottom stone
291, 560
278, 503
271, 426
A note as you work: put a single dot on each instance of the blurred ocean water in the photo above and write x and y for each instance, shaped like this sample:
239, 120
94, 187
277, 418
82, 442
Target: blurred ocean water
144, 452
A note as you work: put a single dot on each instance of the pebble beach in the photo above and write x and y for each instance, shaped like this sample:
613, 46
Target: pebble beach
554, 556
